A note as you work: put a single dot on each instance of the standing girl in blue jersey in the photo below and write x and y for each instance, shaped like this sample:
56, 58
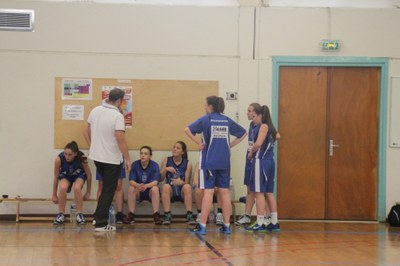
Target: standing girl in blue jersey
143, 180
215, 146
177, 171
263, 171
252, 136
71, 168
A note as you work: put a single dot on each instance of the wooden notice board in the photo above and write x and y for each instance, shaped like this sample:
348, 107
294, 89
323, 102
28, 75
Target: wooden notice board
161, 109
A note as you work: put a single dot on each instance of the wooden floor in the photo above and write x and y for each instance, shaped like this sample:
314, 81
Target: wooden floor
299, 243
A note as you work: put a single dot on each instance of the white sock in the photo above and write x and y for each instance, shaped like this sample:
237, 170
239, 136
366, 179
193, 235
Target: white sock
227, 225
203, 225
260, 219
274, 217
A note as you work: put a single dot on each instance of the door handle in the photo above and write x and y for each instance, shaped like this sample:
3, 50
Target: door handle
331, 146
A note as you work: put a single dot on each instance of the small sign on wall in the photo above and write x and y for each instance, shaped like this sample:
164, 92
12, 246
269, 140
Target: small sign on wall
330, 45
72, 112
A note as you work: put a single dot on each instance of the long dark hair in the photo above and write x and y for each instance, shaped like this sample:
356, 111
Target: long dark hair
266, 119
184, 149
73, 146
217, 103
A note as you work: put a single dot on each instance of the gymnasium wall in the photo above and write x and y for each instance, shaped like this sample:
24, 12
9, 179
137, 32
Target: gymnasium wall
83, 39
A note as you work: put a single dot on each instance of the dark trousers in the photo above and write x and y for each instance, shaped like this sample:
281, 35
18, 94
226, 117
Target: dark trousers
110, 174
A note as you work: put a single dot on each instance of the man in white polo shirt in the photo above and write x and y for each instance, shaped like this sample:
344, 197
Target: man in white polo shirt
108, 148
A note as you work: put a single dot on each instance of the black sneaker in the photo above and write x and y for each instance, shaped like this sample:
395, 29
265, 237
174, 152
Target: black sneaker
119, 218
129, 219
157, 218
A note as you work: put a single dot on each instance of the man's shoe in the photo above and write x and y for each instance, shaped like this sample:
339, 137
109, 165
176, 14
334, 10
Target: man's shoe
243, 220
130, 218
199, 229
107, 228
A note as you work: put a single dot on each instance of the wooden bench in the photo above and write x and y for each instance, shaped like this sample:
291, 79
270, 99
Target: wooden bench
29, 217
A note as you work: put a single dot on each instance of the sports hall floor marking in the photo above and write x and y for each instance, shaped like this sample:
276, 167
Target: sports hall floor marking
214, 250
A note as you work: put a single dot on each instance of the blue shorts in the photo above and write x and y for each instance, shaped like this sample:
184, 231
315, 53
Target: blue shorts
73, 178
176, 193
262, 176
247, 173
145, 195
210, 179
122, 174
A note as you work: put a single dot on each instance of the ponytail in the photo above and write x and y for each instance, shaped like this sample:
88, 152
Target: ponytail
217, 103
266, 119
73, 146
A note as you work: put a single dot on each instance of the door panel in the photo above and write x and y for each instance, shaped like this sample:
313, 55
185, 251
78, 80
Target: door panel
353, 125
302, 148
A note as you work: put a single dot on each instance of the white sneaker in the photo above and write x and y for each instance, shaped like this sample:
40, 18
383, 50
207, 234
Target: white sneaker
244, 219
198, 217
267, 220
106, 228
219, 219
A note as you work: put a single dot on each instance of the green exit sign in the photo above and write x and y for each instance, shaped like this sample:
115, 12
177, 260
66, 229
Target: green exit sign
330, 45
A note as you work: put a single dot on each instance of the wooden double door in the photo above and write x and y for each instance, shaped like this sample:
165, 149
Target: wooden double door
328, 152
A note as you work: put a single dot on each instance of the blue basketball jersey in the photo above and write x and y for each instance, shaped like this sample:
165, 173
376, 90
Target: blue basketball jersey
252, 136
266, 150
180, 169
216, 129
144, 175
73, 168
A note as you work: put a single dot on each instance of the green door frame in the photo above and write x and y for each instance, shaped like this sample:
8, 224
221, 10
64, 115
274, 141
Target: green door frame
383, 64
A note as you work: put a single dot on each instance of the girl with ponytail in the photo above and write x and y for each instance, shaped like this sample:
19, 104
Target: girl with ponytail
71, 170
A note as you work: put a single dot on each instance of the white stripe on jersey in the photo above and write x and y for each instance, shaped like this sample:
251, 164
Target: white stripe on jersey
266, 150
257, 178
201, 172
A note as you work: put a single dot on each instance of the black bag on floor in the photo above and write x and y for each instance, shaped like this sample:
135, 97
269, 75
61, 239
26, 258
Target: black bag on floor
394, 215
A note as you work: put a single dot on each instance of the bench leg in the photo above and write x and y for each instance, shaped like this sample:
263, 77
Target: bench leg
18, 211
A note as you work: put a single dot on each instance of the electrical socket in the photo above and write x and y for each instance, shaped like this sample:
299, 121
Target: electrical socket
230, 95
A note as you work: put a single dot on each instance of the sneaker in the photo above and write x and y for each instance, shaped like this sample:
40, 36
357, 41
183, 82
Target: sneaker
189, 219
80, 219
59, 219
256, 228
198, 217
219, 220
157, 218
244, 219
119, 218
274, 227
167, 219
129, 219
199, 229
106, 228
225, 229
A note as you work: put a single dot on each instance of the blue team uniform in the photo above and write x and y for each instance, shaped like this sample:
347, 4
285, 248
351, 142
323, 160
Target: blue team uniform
180, 172
122, 174
263, 167
144, 176
215, 157
71, 171
252, 136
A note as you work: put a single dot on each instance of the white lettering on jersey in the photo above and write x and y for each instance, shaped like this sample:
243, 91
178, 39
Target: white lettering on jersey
219, 132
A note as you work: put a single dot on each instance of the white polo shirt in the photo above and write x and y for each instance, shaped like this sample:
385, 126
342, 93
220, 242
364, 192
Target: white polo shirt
104, 120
